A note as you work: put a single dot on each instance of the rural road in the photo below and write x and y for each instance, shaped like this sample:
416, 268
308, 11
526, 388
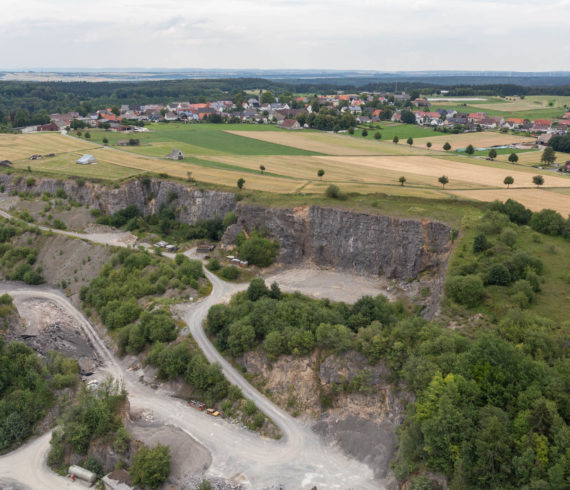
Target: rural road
299, 460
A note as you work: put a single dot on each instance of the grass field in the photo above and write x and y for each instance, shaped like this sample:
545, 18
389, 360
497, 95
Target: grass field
484, 139
201, 139
389, 130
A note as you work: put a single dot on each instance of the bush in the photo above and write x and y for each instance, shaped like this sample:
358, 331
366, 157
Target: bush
480, 243
151, 467
509, 237
516, 212
499, 275
230, 272
258, 250
334, 192
549, 222
213, 265
465, 290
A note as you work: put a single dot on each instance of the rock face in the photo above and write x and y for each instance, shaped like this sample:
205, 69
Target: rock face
346, 240
148, 195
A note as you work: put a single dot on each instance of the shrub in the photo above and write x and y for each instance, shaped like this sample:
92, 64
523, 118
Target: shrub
258, 250
465, 290
334, 192
549, 222
516, 212
523, 286
499, 275
480, 243
214, 265
230, 272
509, 237
151, 467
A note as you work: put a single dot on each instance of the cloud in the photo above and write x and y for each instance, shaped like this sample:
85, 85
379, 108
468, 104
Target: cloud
371, 34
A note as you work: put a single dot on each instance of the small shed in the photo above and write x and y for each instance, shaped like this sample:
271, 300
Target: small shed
5, 163
87, 160
205, 248
176, 155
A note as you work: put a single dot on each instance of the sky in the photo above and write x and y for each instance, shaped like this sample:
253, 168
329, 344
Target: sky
382, 35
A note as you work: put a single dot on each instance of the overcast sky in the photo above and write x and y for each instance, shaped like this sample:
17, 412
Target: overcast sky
280, 34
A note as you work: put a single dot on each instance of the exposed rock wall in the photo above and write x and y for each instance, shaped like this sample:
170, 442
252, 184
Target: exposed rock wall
148, 195
346, 240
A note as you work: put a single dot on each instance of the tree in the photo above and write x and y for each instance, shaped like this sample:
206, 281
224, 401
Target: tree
377, 135
364, 133
443, 180
240, 183
351, 130
513, 158
508, 181
480, 243
470, 150
492, 153
447, 146
105, 140
428, 144
410, 141
395, 139
262, 168
548, 155
115, 110
320, 173
402, 180
538, 180
87, 135
151, 467
267, 97
408, 117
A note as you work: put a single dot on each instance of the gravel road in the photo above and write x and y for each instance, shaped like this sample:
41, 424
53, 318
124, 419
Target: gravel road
299, 460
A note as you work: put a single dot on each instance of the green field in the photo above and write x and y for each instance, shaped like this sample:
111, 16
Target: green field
389, 130
199, 139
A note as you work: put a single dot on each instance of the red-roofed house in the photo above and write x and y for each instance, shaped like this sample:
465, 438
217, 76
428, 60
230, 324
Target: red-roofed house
476, 116
420, 102
377, 113
514, 123
541, 125
566, 116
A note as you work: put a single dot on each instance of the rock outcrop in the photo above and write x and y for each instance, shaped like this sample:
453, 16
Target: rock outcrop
362, 243
148, 195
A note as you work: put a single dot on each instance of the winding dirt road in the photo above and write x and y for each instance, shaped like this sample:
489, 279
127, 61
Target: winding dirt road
299, 460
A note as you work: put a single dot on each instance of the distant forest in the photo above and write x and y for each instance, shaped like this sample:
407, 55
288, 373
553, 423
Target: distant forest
42, 98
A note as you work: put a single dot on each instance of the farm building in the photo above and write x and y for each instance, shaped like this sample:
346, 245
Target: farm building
290, 124
176, 155
5, 163
87, 160
205, 248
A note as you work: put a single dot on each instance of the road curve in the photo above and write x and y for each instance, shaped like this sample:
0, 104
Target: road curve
299, 460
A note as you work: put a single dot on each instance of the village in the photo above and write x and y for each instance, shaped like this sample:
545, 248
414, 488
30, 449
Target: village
339, 112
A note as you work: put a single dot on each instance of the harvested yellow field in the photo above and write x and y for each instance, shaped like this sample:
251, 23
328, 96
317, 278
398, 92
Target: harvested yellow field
330, 143
484, 139
64, 165
394, 189
535, 199
454, 170
201, 173
532, 158
359, 177
22, 146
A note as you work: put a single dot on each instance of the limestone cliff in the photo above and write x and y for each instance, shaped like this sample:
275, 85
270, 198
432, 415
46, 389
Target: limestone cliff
148, 195
362, 243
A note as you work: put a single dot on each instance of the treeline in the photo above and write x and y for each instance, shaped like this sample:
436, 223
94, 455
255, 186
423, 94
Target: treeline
492, 405
28, 388
166, 223
116, 292
560, 143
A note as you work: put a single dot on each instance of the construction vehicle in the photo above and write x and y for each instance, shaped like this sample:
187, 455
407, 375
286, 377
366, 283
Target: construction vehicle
197, 405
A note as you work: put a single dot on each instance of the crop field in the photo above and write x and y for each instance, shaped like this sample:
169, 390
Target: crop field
403, 131
332, 144
531, 158
483, 139
64, 165
535, 199
22, 146
354, 164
